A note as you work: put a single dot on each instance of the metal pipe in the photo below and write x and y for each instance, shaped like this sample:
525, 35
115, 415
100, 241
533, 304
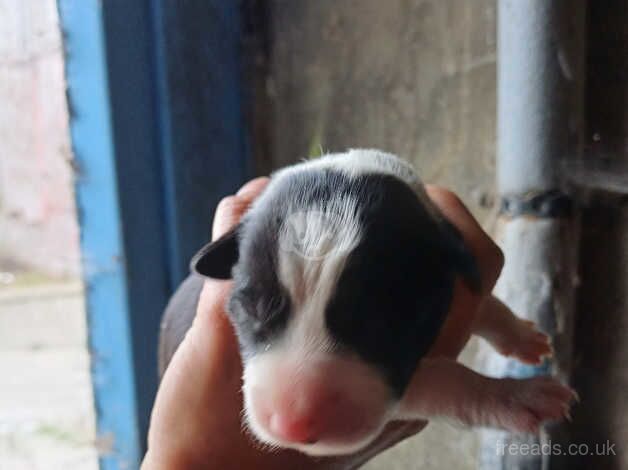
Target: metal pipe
534, 83
540, 63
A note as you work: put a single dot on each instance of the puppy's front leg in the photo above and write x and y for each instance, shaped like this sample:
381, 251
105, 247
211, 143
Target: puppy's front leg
509, 334
443, 388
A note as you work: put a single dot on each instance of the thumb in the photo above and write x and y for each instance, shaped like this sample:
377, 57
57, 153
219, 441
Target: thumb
231, 208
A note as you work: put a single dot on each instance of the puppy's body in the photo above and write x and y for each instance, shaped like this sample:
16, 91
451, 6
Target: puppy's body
343, 276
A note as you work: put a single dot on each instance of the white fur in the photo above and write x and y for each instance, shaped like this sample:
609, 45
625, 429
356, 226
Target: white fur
310, 266
267, 372
356, 162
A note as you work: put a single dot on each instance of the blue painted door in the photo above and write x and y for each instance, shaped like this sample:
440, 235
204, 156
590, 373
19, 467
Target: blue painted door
158, 136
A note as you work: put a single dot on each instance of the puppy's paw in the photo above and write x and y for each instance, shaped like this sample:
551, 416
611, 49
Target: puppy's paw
524, 342
525, 404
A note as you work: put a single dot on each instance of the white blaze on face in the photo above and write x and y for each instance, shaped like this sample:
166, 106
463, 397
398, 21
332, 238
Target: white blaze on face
313, 249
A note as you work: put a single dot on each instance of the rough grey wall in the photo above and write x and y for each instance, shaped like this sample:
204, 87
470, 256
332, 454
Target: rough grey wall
415, 77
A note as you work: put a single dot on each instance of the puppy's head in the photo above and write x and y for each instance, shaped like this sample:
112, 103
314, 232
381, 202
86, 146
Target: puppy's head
341, 284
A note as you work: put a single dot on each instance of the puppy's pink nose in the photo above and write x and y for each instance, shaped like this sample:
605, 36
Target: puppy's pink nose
298, 429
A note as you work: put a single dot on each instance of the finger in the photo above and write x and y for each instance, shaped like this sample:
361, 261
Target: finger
489, 256
210, 309
231, 208
214, 330
253, 188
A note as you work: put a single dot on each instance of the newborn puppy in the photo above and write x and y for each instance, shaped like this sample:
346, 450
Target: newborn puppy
343, 276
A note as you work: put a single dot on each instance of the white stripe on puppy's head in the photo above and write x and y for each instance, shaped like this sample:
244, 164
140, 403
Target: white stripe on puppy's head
313, 247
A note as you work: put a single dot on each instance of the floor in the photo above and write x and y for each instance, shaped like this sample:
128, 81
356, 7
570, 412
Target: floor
46, 412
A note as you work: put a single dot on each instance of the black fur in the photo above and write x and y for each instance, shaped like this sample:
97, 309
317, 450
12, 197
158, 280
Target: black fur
395, 290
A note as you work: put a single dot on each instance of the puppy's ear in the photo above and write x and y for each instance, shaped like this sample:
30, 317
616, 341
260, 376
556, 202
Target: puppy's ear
216, 259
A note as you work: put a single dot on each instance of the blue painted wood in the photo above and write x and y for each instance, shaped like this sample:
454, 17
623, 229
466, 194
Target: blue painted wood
101, 233
154, 86
144, 189
203, 140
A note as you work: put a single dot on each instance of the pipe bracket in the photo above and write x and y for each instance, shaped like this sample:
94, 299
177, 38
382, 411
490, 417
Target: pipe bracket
545, 204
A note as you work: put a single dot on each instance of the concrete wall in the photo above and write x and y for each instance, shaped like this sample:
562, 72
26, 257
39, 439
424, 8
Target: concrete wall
38, 229
415, 77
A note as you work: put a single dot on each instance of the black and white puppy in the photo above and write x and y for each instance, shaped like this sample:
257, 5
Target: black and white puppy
343, 276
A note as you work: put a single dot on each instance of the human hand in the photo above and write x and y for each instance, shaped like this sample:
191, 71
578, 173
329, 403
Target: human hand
196, 420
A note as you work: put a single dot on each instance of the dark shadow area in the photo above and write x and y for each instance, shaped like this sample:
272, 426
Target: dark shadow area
601, 351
